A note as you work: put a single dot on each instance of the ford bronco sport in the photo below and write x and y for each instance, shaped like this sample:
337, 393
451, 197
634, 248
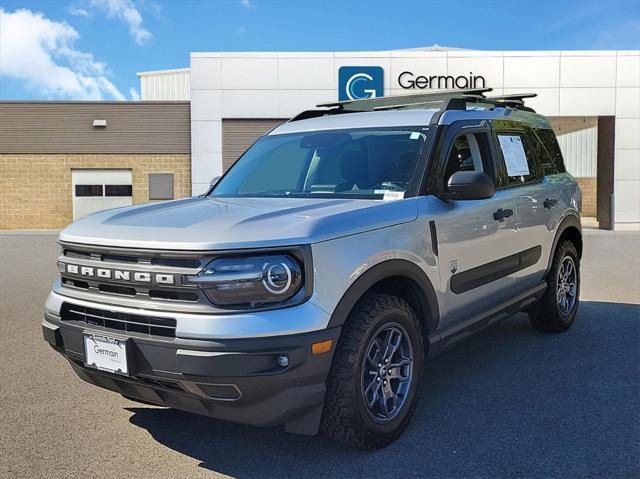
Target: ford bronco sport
310, 284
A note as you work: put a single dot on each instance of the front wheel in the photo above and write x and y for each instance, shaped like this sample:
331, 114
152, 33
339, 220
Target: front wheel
557, 310
373, 384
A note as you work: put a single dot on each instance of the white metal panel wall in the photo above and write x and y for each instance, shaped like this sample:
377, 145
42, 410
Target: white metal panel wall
578, 140
580, 152
170, 85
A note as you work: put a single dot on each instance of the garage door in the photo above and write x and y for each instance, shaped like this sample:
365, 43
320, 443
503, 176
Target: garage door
96, 190
238, 135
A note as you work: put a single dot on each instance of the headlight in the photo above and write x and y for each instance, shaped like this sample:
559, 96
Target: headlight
254, 281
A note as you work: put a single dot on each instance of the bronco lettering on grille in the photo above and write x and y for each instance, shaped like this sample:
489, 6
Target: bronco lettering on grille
120, 275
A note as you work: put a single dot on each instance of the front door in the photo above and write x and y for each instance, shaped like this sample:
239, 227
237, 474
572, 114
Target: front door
478, 240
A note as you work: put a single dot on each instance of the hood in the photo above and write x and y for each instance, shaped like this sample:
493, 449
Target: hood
204, 223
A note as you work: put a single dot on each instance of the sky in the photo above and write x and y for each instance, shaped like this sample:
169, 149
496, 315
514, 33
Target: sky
92, 49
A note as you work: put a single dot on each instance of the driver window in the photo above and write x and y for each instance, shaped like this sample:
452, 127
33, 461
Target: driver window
468, 153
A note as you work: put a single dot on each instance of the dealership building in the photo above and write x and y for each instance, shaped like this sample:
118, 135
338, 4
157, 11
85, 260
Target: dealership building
193, 123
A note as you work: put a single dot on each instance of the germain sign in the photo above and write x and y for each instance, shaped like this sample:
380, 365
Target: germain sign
358, 82
409, 81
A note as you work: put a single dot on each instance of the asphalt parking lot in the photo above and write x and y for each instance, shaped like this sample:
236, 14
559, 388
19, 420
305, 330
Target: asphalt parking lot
508, 403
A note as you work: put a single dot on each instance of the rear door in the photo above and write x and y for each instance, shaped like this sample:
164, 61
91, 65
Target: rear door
478, 241
520, 174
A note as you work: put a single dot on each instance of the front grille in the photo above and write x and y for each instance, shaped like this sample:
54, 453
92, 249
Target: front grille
150, 263
146, 258
153, 326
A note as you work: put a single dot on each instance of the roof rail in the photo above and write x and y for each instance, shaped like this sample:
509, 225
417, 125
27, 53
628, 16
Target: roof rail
454, 102
515, 96
513, 101
306, 114
397, 101
444, 100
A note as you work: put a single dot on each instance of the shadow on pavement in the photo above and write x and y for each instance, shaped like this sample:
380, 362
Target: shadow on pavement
509, 402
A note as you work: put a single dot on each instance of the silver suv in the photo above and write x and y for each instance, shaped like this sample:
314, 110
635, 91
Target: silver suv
309, 286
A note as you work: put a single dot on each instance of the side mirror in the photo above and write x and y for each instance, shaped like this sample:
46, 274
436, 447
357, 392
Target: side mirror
214, 180
470, 185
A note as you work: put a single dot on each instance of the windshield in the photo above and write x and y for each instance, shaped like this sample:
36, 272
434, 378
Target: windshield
363, 163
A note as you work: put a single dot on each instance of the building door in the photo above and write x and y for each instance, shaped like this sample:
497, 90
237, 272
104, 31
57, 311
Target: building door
238, 135
96, 190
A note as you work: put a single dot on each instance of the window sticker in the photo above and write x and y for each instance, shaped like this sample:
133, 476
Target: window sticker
415, 135
514, 156
389, 195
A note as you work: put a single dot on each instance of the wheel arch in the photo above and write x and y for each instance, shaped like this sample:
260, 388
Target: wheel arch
570, 228
399, 277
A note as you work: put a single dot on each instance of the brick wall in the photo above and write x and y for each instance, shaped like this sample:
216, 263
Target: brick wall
589, 189
35, 190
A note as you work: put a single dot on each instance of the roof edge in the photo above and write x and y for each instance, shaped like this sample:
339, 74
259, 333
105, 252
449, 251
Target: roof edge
163, 72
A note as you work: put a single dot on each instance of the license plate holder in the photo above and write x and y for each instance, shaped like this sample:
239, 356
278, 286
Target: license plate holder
106, 353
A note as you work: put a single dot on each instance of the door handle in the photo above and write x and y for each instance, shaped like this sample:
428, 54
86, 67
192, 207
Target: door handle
501, 214
550, 203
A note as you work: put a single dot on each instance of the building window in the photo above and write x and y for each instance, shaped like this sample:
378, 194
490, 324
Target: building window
118, 190
88, 190
160, 186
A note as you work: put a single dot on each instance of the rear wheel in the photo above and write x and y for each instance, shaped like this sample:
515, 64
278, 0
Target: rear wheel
373, 384
557, 310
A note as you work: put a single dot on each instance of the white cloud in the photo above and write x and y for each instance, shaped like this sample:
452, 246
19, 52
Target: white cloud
77, 11
41, 52
246, 3
135, 96
127, 12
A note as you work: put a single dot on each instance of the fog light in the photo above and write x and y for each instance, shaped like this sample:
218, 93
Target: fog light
283, 361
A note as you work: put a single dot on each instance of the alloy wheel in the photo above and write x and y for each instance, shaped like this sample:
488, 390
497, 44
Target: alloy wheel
567, 285
387, 372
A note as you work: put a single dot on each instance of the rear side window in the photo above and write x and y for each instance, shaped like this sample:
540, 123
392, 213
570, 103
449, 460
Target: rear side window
548, 151
517, 163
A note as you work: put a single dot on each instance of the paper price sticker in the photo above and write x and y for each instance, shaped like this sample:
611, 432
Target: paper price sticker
514, 155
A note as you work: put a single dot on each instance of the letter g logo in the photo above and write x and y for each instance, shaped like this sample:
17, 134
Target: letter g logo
355, 83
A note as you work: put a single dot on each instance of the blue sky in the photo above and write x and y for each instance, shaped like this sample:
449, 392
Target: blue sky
92, 49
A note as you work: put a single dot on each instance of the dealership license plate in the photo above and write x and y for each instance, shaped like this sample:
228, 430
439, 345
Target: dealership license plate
106, 353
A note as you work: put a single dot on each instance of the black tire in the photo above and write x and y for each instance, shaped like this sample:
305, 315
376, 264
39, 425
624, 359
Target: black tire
547, 315
346, 417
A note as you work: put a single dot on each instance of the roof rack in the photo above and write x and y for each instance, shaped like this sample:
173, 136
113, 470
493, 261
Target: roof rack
514, 100
463, 99
515, 97
444, 100
369, 104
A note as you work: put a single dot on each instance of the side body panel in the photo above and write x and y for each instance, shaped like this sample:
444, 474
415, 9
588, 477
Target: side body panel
469, 237
339, 263
538, 220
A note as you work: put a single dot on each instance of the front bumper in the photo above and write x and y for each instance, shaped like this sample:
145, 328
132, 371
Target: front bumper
231, 379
